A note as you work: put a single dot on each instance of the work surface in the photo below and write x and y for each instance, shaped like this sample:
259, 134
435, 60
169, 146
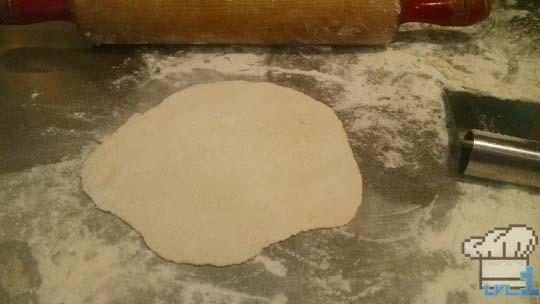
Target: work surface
60, 96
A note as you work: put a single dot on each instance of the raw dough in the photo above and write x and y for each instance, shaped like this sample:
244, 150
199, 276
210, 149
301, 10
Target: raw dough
219, 171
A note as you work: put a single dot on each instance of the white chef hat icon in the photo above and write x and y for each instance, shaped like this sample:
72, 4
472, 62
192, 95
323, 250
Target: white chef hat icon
503, 254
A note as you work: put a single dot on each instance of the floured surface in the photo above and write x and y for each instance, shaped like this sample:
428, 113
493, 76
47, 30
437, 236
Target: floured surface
219, 171
402, 247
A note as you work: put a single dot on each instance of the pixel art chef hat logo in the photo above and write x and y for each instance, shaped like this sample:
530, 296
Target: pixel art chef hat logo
503, 253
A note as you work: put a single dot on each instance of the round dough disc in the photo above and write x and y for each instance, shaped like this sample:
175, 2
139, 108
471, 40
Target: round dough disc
219, 171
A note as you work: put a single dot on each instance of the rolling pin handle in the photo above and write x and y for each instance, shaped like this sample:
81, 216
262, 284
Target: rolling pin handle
33, 11
445, 12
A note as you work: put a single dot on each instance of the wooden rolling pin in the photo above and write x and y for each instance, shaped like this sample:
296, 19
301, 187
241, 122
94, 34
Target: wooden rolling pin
344, 22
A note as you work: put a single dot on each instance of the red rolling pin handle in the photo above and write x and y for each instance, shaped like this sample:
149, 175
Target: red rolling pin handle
445, 12
441, 12
33, 11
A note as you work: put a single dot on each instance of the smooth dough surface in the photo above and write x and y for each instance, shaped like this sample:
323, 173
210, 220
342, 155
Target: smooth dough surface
219, 171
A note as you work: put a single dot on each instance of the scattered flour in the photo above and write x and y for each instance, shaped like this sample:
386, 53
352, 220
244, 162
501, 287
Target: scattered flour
86, 256
273, 266
368, 292
314, 261
333, 284
172, 67
391, 95
195, 293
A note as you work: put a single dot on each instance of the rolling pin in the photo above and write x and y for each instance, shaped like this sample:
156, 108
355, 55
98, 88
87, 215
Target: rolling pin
340, 22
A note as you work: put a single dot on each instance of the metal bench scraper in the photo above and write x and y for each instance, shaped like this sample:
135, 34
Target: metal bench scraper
494, 138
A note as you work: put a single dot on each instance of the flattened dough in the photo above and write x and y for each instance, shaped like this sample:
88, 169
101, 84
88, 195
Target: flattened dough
219, 171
